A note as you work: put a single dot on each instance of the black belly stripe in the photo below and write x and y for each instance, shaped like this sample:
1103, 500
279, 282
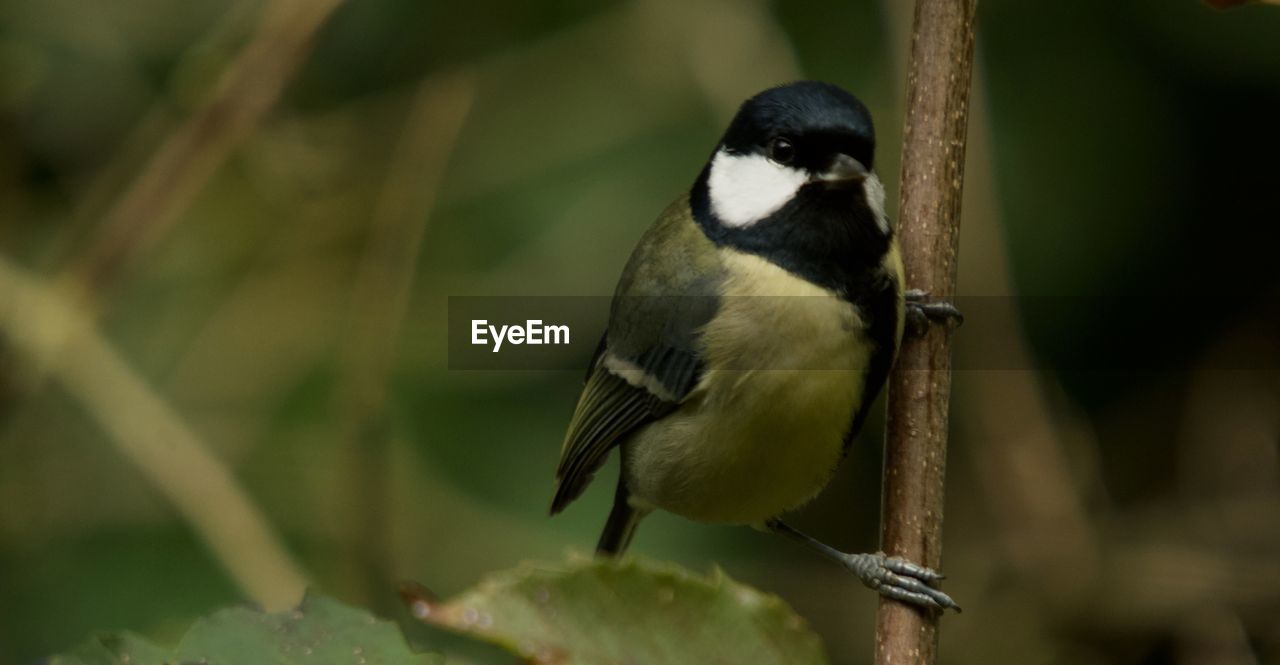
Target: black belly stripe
831, 238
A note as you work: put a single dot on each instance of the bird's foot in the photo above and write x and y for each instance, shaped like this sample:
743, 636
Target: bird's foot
921, 312
895, 578
899, 579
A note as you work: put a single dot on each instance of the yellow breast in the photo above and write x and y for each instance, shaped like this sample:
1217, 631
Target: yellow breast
764, 429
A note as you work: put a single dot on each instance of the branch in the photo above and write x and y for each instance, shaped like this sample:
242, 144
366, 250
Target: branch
929, 214
46, 328
380, 299
189, 156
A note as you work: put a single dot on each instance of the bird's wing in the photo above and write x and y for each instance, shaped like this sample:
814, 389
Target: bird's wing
648, 361
610, 408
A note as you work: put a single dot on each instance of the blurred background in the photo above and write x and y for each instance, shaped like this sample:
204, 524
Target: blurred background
228, 230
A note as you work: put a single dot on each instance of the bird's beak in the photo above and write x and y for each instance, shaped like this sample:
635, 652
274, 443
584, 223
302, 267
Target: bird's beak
844, 168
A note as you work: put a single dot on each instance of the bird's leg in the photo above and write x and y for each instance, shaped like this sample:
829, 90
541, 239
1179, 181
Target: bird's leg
921, 311
895, 578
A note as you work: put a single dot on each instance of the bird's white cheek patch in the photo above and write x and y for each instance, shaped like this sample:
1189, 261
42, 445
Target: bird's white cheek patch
747, 188
874, 191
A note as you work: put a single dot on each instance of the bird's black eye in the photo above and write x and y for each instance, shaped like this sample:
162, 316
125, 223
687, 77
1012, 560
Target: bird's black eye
781, 151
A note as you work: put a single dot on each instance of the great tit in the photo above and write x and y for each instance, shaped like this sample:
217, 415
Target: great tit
752, 329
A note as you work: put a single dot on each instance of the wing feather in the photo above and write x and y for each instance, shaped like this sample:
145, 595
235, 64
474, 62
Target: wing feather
648, 361
609, 409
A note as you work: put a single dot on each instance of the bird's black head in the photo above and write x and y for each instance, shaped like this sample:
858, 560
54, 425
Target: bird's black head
804, 125
792, 181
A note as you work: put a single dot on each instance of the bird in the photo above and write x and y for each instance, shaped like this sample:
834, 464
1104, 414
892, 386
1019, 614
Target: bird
750, 332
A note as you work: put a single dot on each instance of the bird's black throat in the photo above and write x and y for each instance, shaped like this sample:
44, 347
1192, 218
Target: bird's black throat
827, 234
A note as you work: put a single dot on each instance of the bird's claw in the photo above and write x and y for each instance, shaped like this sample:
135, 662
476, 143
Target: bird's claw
921, 312
900, 580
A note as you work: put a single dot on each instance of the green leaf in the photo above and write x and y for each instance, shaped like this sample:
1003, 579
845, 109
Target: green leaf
108, 649
602, 611
318, 632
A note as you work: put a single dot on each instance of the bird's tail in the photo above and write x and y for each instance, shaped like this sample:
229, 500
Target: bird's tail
623, 520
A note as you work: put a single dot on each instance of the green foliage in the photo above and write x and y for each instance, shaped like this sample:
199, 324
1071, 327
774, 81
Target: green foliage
114, 650
320, 630
589, 611
594, 611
